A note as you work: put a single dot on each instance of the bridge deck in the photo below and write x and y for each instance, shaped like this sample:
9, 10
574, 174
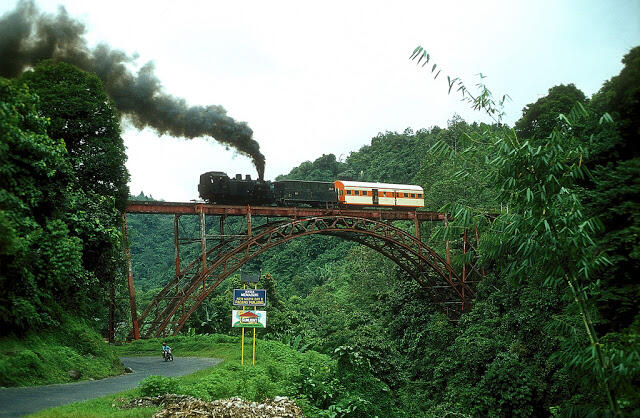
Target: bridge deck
195, 208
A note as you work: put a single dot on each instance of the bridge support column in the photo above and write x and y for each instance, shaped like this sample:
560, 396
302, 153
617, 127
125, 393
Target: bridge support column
203, 245
176, 242
248, 221
464, 268
132, 293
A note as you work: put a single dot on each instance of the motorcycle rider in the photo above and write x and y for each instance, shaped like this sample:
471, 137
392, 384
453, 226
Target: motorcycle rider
165, 349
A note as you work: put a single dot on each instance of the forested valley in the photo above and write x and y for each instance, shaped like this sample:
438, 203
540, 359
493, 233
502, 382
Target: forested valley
554, 328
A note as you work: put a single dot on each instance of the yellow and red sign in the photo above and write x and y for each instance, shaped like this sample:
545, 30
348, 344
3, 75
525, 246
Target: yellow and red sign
249, 319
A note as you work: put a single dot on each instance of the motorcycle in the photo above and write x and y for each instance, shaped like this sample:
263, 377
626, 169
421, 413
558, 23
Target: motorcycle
167, 356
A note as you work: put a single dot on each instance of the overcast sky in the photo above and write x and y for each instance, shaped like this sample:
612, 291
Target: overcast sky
326, 77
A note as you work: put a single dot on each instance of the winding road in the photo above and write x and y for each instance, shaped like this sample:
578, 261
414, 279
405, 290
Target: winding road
15, 402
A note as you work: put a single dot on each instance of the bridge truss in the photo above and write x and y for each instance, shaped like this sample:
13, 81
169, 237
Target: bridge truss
223, 254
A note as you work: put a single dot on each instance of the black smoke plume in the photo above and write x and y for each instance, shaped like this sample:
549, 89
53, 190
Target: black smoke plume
28, 36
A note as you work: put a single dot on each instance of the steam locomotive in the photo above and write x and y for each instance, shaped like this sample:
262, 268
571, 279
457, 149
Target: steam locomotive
218, 188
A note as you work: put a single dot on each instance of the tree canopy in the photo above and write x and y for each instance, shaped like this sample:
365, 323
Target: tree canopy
63, 181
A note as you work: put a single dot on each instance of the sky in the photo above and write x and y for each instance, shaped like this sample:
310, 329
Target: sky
313, 78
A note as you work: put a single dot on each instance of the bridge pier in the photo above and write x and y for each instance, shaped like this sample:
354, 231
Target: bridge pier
132, 293
176, 242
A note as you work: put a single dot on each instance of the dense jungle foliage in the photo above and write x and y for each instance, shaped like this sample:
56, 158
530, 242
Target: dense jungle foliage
62, 185
554, 327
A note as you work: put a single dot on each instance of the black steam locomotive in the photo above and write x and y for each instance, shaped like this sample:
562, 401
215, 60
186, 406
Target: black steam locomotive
216, 187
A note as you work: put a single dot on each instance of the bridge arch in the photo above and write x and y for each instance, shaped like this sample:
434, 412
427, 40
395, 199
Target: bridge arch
189, 289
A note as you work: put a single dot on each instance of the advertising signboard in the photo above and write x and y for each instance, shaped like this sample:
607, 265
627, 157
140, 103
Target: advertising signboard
249, 319
249, 297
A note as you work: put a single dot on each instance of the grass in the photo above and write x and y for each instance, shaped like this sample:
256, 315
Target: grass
98, 408
277, 372
47, 357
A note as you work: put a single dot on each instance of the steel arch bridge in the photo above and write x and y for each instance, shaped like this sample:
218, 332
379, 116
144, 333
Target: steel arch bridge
172, 307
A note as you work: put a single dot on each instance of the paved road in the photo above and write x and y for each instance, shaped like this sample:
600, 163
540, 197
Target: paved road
15, 402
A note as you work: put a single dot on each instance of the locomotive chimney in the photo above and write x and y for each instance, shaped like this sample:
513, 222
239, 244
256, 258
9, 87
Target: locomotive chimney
247, 177
238, 176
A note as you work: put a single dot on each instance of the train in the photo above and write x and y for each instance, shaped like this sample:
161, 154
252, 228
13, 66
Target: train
217, 187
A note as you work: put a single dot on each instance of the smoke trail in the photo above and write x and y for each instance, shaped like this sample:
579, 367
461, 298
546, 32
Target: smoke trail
28, 36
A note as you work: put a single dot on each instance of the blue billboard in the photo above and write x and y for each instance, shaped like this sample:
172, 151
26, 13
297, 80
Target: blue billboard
249, 297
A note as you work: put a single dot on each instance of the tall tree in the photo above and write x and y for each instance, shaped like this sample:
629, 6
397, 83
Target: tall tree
83, 116
41, 271
539, 118
614, 194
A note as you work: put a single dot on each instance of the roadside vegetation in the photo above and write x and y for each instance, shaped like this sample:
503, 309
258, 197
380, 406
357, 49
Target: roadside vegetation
40, 358
313, 380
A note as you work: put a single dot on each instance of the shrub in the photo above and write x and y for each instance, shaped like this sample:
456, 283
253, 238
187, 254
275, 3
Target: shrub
27, 362
158, 385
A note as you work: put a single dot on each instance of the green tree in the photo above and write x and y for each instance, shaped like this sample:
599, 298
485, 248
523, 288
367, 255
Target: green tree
614, 194
550, 235
85, 118
82, 115
539, 118
41, 271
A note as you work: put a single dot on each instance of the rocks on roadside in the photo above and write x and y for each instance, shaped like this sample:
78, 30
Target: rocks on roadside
128, 370
74, 374
187, 406
161, 400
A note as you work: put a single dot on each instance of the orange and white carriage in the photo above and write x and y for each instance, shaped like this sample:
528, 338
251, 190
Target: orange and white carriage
356, 193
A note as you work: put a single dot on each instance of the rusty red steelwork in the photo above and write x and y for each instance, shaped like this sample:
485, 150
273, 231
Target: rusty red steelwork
367, 227
407, 251
182, 208
464, 265
176, 242
132, 293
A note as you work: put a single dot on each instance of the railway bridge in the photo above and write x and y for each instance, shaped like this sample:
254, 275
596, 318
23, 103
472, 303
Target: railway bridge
223, 253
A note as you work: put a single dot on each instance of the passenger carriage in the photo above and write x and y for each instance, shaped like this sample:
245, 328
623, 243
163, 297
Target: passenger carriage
356, 193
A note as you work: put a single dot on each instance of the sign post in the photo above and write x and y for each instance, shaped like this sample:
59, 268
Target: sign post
242, 345
249, 318
253, 361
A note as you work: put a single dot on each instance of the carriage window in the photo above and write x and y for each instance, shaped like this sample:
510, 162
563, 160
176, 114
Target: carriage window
340, 192
357, 192
348, 191
413, 195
